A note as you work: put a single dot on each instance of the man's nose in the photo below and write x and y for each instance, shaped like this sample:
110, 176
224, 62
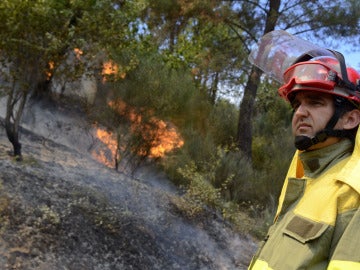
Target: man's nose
301, 110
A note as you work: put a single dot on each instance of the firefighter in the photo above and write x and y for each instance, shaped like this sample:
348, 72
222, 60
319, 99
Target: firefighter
317, 223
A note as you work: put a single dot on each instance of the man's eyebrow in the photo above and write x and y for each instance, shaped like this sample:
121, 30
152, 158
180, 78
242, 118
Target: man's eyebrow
315, 97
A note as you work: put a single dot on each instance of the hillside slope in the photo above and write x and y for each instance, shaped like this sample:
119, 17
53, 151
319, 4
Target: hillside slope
60, 209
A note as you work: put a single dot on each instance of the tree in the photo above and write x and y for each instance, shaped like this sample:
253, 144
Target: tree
26, 45
38, 38
195, 33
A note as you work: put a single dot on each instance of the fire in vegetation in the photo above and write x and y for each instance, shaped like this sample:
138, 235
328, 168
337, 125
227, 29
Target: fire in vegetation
51, 64
106, 156
109, 69
159, 137
78, 53
49, 70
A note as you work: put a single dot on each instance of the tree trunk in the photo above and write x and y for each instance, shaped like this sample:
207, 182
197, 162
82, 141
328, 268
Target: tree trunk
14, 109
244, 132
214, 88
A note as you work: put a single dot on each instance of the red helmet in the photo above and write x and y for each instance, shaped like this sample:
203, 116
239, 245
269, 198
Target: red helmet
321, 74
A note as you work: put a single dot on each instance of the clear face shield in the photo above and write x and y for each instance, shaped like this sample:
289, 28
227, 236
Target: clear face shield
278, 50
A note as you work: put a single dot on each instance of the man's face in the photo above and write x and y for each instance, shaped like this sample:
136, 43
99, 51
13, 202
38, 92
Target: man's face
312, 111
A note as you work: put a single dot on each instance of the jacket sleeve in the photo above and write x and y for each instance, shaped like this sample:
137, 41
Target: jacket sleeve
346, 255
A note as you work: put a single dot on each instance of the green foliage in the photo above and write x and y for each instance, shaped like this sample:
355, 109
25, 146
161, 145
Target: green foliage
228, 185
153, 86
36, 33
236, 176
201, 196
37, 42
216, 174
222, 122
200, 189
197, 150
203, 133
272, 142
198, 35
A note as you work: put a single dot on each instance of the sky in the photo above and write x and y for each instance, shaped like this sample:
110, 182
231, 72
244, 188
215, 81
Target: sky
352, 58
350, 48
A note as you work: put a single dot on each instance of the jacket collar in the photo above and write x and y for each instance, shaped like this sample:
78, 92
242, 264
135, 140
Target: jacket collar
349, 174
318, 161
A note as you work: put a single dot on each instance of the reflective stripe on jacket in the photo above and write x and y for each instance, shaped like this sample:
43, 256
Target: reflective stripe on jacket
317, 224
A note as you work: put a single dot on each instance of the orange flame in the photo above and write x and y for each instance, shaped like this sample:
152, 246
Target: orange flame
165, 140
164, 137
78, 53
49, 70
51, 64
111, 69
106, 155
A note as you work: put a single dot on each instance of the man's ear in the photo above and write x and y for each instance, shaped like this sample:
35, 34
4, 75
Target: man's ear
351, 119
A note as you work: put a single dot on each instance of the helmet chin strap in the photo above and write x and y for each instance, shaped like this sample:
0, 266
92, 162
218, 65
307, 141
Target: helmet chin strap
304, 142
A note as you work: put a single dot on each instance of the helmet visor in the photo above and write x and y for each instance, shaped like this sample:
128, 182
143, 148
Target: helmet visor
308, 75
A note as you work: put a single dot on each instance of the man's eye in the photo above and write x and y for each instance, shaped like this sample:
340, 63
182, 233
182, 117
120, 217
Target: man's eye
316, 102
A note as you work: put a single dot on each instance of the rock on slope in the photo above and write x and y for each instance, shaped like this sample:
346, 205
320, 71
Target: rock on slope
60, 209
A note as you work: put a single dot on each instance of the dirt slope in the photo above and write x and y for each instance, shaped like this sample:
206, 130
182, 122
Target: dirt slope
60, 209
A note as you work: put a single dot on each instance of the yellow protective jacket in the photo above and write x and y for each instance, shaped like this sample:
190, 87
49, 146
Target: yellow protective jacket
317, 224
